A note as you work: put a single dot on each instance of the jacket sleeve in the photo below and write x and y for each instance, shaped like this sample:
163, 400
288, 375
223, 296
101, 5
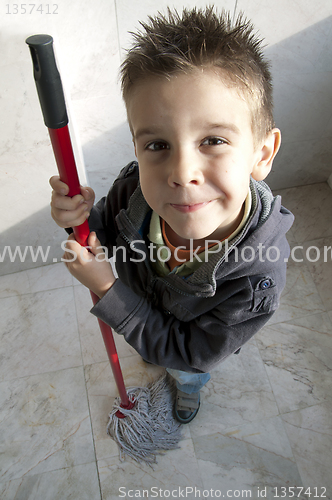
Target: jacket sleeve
194, 346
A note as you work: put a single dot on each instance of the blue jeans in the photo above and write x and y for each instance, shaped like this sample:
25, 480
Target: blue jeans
189, 382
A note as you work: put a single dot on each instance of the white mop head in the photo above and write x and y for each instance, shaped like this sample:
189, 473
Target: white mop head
149, 426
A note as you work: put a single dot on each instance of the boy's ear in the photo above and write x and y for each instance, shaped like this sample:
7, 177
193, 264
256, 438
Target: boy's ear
266, 154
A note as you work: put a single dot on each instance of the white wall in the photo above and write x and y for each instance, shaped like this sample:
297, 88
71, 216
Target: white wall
90, 38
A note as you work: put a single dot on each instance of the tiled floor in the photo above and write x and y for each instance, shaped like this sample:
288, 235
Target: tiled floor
265, 420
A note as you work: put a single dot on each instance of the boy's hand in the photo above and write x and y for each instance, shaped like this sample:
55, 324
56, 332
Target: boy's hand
90, 268
66, 211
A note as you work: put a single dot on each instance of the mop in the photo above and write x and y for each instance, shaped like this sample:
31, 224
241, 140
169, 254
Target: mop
141, 421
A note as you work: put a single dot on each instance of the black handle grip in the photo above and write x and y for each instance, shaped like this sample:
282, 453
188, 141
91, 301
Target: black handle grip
48, 81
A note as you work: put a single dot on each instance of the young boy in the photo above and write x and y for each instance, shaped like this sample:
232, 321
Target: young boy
199, 240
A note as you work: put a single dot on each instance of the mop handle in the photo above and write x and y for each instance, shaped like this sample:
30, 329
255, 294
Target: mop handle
65, 161
51, 97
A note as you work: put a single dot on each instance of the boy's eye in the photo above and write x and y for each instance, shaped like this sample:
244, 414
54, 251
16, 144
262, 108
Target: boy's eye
157, 146
213, 141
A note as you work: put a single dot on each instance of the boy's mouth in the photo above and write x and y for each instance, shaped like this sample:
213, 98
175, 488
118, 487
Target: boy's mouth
189, 208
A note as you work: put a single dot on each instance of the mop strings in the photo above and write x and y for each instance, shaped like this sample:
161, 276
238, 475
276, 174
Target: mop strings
150, 426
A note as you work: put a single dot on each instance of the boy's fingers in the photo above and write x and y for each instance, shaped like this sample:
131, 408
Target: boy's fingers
62, 189
65, 202
73, 246
72, 249
75, 251
71, 237
66, 221
88, 193
70, 211
70, 218
94, 244
58, 186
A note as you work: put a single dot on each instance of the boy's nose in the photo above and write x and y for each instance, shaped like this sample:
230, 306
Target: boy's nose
185, 169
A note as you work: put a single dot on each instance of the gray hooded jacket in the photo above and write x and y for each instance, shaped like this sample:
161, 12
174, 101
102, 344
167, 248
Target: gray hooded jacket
190, 323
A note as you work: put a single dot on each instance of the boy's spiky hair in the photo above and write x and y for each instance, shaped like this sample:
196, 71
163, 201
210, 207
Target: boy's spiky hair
201, 38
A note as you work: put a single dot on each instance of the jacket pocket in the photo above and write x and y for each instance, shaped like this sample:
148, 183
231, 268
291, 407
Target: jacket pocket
265, 294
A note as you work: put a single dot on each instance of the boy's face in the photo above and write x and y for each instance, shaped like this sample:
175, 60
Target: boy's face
195, 149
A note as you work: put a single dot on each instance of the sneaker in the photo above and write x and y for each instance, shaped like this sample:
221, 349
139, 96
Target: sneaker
186, 406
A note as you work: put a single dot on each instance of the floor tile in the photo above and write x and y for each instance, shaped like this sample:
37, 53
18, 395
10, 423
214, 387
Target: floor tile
45, 424
319, 262
105, 134
93, 348
14, 284
102, 180
293, 163
38, 333
298, 361
267, 433
175, 471
239, 392
300, 296
240, 469
49, 277
310, 434
312, 207
100, 65
35, 280
79, 482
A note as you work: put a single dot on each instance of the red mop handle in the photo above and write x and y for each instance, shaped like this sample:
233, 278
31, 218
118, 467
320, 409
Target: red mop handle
51, 97
64, 156
65, 160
